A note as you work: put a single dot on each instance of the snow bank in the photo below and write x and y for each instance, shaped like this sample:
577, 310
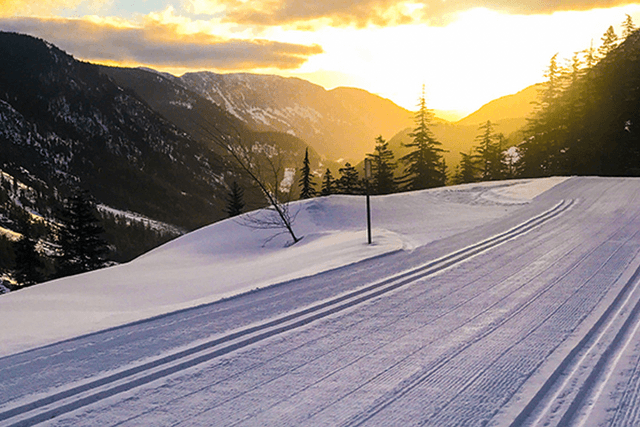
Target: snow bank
228, 258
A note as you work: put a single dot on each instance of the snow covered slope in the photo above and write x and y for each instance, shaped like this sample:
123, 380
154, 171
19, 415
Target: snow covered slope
529, 316
228, 258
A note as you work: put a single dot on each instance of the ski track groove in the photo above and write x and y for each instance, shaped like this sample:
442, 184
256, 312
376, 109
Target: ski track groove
554, 394
332, 306
212, 410
626, 413
396, 320
397, 394
410, 332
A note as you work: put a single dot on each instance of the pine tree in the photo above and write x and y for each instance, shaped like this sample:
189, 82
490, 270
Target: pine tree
307, 185
443, 171
609, 42
628, 27
348, 183
421, 164
327, 184
489, 153
382, 167
467, 171
590, 56
81, 241
235, 200
28, 263
540, 151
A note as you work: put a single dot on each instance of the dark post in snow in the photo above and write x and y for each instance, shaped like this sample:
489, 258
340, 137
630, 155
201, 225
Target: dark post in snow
367, 178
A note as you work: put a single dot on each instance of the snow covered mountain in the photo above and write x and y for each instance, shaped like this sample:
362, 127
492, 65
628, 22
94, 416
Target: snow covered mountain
338, 123
136, 140
63, 123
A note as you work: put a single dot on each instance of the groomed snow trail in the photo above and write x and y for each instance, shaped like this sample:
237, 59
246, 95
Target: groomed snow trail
532, 320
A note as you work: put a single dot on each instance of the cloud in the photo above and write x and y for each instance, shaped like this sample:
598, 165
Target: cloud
157, 44
361, 13
47, 7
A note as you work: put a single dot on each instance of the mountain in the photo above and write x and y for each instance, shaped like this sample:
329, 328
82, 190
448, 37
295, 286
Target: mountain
142, 142
125, 136
66, 124
338, 123
508, 115
510, 108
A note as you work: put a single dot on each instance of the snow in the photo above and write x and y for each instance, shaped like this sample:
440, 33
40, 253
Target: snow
10, 234
510, 303
139, 218
229, 258
288, 180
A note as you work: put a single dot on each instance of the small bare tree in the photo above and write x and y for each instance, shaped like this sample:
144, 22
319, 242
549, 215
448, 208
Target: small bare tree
261, 164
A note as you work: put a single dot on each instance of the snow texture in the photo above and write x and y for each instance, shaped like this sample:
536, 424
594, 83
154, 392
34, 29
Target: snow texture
501, 304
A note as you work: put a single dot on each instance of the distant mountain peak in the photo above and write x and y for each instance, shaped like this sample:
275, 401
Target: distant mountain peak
514, 106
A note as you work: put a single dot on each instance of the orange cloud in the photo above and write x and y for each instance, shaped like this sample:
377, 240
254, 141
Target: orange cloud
35, 7
361, 13
157, 44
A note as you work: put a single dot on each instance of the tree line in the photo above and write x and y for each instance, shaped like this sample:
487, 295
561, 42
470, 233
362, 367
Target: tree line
73, 238
587, 116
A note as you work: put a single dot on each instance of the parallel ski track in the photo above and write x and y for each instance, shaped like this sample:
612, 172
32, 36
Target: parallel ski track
627, 412
555, 251
415, 382
575, 382
553, 254
62, 402
256, 409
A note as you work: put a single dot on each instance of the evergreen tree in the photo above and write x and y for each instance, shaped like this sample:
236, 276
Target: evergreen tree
609, 42
382, 167
467, 170
422, 164
235, 200
327, 184
307, 185
590, 56
489, 153
541, 150
628, 27
81, 241
443, 171
28, 264
348, 183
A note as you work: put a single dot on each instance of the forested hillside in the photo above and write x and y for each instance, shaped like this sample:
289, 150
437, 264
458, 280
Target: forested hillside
588, 118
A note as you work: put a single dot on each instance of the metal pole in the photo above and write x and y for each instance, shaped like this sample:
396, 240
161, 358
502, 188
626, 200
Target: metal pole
367, 178
368, 215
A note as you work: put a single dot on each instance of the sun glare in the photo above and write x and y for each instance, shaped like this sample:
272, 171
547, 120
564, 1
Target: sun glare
481, 56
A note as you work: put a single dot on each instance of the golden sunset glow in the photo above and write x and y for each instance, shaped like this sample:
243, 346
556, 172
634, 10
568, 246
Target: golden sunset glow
466, 54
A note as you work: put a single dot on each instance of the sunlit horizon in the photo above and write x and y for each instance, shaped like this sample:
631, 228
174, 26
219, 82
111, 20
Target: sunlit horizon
470, 58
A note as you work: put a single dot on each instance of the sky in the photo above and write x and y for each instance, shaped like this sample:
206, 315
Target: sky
465, 52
